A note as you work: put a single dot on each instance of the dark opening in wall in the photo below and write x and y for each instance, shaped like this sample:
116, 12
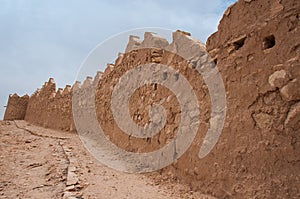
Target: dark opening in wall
269, 42
216, 61
239, 43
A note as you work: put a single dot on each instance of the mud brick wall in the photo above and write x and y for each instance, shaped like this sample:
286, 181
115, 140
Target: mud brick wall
144, 97
50, 108
256, 49
16, 107
37, 106
60, 110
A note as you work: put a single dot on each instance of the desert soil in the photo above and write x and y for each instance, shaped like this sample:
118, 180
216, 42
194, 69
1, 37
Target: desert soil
41, 163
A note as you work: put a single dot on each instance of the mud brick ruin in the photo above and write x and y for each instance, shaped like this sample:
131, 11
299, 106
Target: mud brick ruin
257, 51
16, 107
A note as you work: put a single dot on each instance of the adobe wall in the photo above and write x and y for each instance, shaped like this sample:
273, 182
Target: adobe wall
16, 107
50, 108
256, 49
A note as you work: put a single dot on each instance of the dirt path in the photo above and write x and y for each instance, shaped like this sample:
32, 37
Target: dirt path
40, 163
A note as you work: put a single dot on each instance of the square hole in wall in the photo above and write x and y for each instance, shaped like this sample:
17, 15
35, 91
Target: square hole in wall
269, 42
239, 43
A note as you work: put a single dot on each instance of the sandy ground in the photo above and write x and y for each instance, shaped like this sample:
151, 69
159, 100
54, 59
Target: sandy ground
41, 163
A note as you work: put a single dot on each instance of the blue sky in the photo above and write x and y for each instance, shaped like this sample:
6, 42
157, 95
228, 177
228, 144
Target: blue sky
42, 39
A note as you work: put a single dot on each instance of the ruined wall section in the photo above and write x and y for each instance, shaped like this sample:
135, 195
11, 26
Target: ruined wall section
50, 108
37, 106
138, 52
16, 107
257, 51
59, 110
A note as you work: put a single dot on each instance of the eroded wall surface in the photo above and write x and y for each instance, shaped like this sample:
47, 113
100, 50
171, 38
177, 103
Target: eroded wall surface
256, 49
16, 107
50, 108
